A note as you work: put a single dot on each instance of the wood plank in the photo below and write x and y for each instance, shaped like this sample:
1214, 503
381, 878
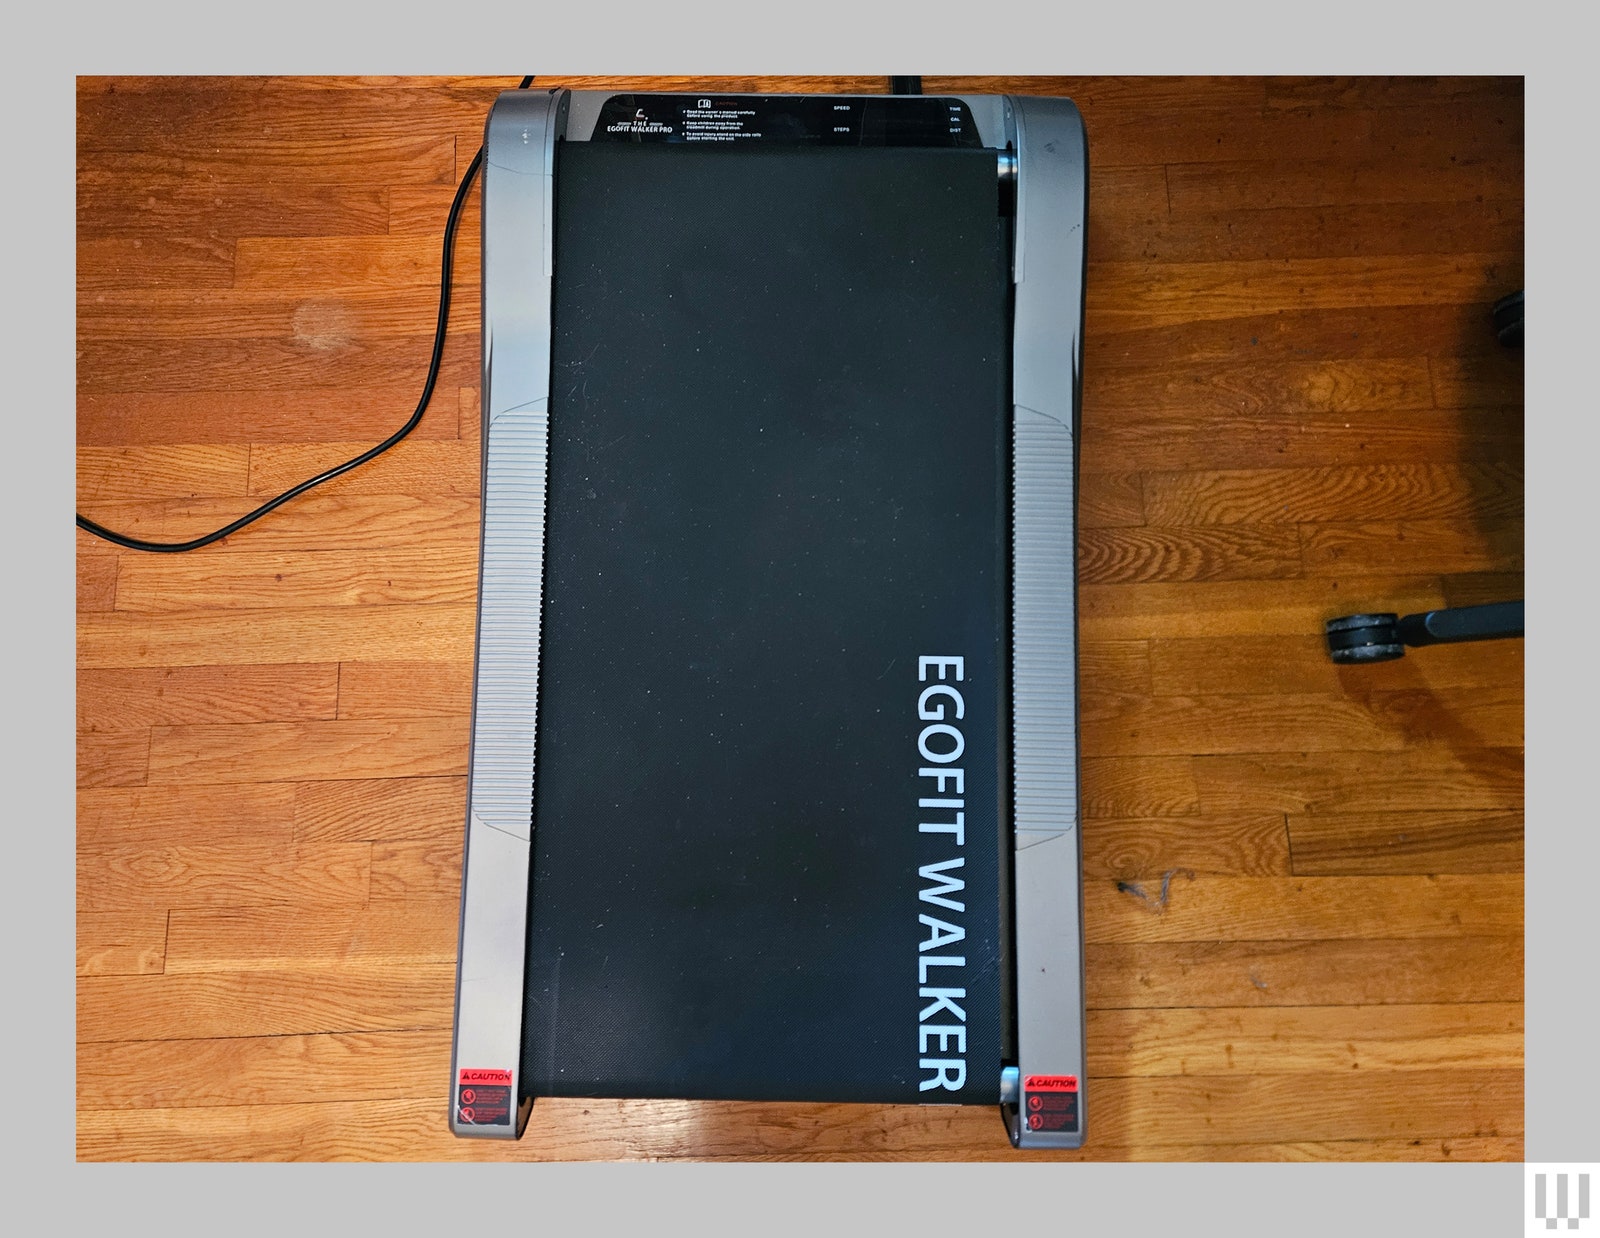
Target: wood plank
1335, 495
1367, 333
1352, 972
301, 751
132, 84
1175, 440
1164, 610
1470, 1149
1121, 725
325, 520
419, 210
255, 580
1461, 717
417, 871
1114, 666
325, 634
1153, 132
1483, 588
353, 159
1139, 229
176, 203
1278, 1040
1245, 385
1443, 133
1222, 908
119, 699
380, 1130
264, 1003
1109, 500
1295, 664
97, 582
1128, 199
283, 938
1386, 92
185, 816
262, 1070
1133, 295
321, 323
238, 874
113, 758
1241, 552
1462, 129
469, 415
405, 689
424, 467
1133, 848
1375, 1104
1413, 546
121, 943
1138, 787
1204, 188
386, 809
1157, 1112
335, 264
281, 127
1421, 779
1489, 380
166, 261
1382, 843
177, 471
366, 414
127, 365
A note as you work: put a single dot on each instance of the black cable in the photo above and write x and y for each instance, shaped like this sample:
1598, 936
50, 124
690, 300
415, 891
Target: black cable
905, 85
135, 543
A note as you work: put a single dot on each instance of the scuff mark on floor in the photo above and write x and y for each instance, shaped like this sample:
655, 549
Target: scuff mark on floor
1157, 903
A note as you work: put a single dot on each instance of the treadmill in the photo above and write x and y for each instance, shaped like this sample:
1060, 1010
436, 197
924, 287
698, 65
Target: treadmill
773, 782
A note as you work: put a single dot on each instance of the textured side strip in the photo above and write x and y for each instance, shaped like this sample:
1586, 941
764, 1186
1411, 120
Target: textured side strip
1044, 636
510, 593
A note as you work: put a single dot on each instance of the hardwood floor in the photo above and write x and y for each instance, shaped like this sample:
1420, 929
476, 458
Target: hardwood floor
1303, 901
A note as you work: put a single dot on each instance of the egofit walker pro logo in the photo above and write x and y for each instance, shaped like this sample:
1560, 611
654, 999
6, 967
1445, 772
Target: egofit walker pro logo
1557, 1198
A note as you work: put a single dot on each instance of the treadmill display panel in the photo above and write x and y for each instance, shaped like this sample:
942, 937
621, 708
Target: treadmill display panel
807, 120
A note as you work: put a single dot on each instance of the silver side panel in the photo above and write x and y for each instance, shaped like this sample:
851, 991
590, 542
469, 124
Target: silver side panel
518, 197
1052, 189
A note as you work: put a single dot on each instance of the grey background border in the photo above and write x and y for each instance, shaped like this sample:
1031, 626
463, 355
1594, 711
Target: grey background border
49, 47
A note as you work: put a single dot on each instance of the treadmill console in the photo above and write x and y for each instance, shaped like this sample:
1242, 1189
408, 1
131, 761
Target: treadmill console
807, 120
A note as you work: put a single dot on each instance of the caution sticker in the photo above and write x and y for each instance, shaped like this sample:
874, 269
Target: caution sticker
483, 1097
1050, 1102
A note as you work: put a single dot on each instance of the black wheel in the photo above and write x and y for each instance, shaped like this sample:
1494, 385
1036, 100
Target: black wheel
1356, 639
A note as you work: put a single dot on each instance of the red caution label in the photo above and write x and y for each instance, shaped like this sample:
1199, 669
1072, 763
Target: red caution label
1050, 1102
483, 1097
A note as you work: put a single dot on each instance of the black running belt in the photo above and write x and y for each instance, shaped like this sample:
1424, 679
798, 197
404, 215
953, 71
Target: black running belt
779, 415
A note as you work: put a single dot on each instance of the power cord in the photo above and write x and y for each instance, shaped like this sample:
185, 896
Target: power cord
136, 543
